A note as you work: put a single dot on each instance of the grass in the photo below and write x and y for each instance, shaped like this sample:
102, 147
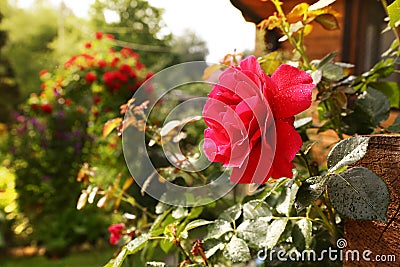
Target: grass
92, 258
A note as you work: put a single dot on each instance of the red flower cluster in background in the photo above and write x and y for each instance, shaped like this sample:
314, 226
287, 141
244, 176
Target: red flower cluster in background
116, 232
101, 69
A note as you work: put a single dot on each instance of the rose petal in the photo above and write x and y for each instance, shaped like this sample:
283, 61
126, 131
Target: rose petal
256, 168
294, 91
288, 143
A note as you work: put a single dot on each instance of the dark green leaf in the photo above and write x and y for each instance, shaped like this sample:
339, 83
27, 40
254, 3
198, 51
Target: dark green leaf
237, 250
328, 21
325, 60
255, 209
218, 229
372, 107
395, 127
358, 193
347, 152
285, 206
390, 90
274, 232
309, 191
302, 234
210, 252
195, 224
254, 232
232, 214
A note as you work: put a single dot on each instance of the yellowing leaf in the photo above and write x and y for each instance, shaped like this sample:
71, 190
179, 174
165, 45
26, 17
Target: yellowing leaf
110, 125
270, 62
128, 182
307, 29
210, 70
271, 23
297, 13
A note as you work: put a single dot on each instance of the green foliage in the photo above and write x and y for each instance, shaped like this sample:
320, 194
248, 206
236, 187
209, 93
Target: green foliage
139, 26
30, 44
9, 89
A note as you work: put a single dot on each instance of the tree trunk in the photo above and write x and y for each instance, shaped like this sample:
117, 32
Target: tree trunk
382, 239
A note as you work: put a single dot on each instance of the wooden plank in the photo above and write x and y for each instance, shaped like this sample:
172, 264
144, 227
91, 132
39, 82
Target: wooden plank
383, 157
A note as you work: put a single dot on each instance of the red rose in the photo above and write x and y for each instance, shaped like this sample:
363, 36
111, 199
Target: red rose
88, 45
115, 232
102, 63
110, 36
250, 116
90, 77
68, 102
46, 108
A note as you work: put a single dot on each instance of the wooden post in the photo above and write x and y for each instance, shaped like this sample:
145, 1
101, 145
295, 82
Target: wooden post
383, 157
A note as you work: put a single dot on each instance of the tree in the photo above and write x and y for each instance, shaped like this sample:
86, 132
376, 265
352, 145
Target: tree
136, 24
27, 47
9, 90
188, 47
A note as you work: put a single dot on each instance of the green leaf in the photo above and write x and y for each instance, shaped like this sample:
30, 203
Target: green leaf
358, 193
395, 127
209, 253
231, 214
117, 262
302, 234
194, 224
309, 191
218, 229
290, 196
166, 245
347, 152
328, 21
394, 13
302, 122
274, 232
390, 90
255, 209
137, 244
237, 250
371, 108
254, 231
179, 212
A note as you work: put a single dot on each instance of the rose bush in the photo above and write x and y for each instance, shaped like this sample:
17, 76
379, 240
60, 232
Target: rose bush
243, 112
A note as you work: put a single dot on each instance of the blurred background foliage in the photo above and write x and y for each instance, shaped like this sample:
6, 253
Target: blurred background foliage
38, 187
